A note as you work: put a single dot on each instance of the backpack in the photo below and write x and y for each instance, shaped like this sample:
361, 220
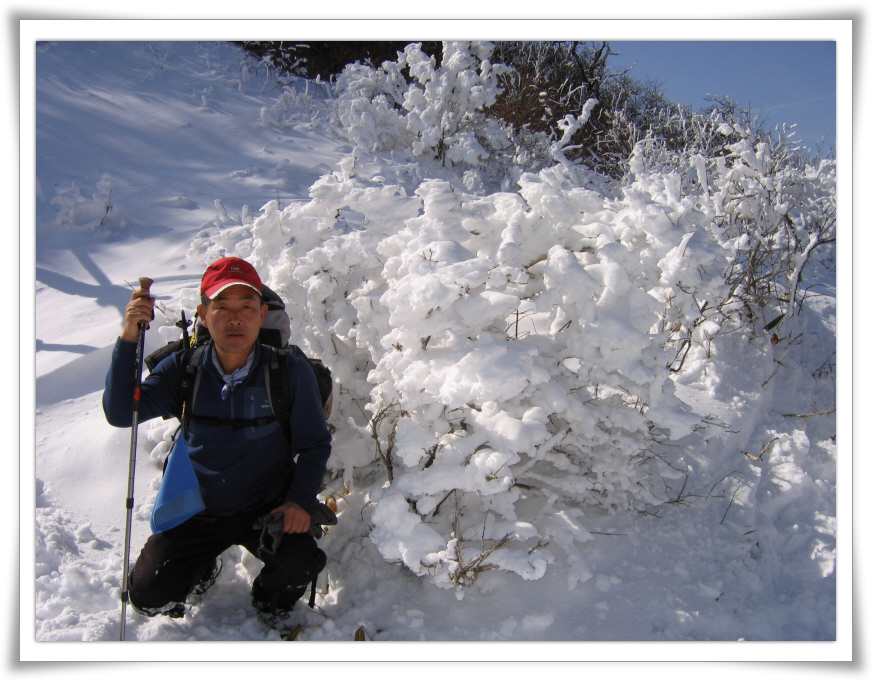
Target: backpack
276, 330
274, 336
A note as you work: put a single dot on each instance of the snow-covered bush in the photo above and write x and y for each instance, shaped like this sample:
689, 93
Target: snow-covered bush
77, 211
500, 348
774, 215
301, 100
438, 112
502, 358
765, 207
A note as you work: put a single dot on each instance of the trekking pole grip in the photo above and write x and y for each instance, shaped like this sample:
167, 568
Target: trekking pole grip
145, 283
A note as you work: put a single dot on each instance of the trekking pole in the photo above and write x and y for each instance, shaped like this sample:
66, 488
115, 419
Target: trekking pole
144, 283
184, 324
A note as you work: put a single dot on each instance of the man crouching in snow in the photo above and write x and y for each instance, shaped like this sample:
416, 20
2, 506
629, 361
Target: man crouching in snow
244, 464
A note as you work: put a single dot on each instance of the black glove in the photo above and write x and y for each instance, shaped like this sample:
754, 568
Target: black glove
272, 526
320, 514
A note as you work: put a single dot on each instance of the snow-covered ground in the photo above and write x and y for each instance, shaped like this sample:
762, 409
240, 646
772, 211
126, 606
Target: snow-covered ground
148, 156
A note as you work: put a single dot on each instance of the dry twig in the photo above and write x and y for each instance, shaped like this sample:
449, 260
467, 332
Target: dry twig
763, 452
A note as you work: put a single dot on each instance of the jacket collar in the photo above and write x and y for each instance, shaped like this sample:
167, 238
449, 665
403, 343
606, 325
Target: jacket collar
237, 376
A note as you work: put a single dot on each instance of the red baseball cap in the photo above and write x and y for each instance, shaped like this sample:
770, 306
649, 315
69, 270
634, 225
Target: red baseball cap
229, 271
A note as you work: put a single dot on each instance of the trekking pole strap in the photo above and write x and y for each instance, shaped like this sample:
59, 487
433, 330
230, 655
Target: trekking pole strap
312, 594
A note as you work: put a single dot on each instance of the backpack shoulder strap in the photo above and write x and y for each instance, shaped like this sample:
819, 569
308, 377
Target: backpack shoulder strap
275, 367
189, 383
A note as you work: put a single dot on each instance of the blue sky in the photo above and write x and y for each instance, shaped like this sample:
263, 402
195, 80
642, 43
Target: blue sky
791, 82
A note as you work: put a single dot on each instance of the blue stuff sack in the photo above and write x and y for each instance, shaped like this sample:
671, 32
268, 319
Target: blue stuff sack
179, 496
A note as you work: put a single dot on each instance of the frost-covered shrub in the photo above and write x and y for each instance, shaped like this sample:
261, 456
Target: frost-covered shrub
503, 359
77, 211
765, 211
497, 356
437, 112
774, 215
549, 81
301, 100
323, 60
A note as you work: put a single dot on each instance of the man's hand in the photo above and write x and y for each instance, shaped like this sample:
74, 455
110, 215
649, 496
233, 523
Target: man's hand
297, 520
140, 309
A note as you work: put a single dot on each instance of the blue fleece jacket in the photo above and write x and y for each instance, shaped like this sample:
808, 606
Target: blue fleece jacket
240, 470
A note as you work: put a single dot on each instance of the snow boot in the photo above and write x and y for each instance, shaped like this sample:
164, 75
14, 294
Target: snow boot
176, 610
173, 610
276, 610
204, 582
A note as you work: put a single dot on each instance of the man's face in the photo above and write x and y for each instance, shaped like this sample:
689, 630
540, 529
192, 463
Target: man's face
234, 319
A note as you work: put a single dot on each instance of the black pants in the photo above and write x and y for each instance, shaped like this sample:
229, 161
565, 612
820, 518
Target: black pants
172, 563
